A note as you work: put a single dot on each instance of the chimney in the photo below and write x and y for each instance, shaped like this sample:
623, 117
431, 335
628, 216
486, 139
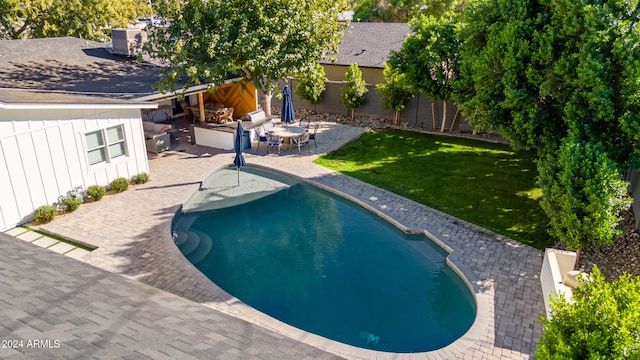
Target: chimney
128, 42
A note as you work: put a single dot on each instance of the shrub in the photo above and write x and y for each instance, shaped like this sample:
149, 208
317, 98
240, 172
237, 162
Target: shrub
582, 193
140, 178
44, 214
119, 184
96, 192
70, 203
600, 323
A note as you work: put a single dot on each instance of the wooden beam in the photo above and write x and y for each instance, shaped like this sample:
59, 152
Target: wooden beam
201, 106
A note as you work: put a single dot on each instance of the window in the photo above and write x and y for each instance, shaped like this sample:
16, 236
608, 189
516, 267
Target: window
99, 151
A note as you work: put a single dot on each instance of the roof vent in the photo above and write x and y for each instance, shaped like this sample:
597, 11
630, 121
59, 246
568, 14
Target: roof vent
128, 42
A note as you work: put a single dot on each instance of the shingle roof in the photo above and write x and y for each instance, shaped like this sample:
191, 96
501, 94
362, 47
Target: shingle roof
369, 44
73, 65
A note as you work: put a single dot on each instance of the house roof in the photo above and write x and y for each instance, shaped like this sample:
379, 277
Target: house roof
35, 99
71, 70
369, 44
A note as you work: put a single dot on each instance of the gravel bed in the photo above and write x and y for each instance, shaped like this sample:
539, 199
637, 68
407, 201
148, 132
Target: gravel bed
620, 257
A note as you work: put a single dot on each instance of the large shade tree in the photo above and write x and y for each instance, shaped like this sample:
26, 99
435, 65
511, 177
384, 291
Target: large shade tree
88, 19
262, 41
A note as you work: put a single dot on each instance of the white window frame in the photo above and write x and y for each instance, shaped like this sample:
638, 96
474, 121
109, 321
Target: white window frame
106, 144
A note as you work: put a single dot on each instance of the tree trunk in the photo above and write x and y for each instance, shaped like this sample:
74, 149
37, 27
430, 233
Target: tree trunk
353, 114
433, 116
266, 101
444, 115
454, 120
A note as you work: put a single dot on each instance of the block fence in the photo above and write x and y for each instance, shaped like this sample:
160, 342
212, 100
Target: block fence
418, 111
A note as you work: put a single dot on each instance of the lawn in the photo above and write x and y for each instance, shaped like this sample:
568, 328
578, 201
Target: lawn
484, 183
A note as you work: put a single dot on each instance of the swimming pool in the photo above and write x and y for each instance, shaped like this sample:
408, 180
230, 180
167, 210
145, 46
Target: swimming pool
323, 264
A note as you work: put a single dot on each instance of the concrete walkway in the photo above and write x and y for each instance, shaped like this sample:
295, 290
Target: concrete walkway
132, 234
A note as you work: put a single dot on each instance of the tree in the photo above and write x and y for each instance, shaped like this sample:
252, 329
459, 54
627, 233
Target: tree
395, 91
312, 85
493, 90
261, 41
538, 70
402, 10
602, 322
582, 194
354, 90
430, 58
89, 19
560, 77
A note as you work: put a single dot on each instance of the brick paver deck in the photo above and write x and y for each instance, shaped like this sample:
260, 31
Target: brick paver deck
132, 234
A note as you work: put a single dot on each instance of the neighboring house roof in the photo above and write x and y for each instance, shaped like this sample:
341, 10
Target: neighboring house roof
369, 44
65, 70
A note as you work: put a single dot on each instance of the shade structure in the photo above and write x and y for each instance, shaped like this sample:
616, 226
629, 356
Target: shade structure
238, 161
287, 116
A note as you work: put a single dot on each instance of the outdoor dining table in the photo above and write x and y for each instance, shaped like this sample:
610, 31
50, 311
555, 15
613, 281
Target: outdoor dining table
288, 132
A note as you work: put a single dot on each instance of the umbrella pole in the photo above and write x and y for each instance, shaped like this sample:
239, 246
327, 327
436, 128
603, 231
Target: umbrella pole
238, 176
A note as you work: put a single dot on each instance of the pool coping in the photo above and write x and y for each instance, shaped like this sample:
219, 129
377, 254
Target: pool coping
235, 307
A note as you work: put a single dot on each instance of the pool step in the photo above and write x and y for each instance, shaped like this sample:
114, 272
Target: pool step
203, 249
188, 245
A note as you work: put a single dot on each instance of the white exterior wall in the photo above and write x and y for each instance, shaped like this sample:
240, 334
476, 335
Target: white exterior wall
43, 154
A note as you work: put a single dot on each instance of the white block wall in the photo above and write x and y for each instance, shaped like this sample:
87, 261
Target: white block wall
43, 154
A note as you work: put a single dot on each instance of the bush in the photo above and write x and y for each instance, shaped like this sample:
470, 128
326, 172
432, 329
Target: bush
600, 323
119, 184
70, 203
96, 192
582, 193
44, 214
140, 178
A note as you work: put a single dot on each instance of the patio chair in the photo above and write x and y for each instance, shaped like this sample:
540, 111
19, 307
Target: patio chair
267, 126
275, 141
312, 136
305, 123
263, 136
302, 141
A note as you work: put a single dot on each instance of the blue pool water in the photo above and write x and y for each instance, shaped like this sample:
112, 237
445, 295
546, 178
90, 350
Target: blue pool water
328, 266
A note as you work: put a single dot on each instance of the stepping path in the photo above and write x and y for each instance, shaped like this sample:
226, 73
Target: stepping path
47, 242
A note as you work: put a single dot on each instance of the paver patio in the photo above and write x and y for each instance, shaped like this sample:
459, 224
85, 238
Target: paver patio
132, 234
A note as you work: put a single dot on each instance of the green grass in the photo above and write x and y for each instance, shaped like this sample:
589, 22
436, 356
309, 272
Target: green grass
487, 184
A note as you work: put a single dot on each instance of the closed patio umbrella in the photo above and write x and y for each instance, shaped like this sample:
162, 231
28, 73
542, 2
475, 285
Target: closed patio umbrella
287, 116
238, 146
